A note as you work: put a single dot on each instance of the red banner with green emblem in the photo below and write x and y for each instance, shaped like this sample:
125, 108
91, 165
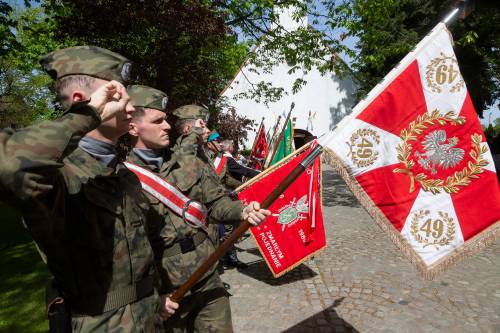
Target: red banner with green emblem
295, 230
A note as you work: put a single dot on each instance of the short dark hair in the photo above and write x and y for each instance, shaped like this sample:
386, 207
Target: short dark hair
181, 123
72, 82
139, 113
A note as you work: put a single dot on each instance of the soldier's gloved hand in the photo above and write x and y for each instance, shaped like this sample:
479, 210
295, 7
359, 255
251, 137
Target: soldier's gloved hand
110, 99
167, 307
254, 214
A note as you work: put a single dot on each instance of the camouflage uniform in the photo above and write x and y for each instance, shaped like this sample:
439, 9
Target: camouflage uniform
90, 226
180, 248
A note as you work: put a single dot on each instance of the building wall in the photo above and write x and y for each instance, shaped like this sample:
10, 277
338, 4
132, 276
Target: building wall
319, 105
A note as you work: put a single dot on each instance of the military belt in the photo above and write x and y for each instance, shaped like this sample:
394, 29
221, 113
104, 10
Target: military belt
185, 245
92, 305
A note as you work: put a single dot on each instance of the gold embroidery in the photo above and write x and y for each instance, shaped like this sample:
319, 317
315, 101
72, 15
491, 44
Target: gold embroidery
459, 178
361, 150
444, 72
432, 232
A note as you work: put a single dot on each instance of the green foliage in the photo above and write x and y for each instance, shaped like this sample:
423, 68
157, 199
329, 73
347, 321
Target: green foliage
7, 38
387, 30
25, 94
180, 47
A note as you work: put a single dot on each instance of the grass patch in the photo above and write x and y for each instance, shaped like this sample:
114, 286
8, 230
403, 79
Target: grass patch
22, 277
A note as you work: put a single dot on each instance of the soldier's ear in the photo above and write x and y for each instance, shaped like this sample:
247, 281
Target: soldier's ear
77, 96
132, 129
187, 129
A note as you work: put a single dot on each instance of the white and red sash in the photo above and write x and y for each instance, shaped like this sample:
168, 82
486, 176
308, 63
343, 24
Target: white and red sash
219, 163
193, 212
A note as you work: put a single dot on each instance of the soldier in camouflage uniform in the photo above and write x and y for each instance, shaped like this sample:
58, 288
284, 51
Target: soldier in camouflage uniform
179, 247
231, 176
215, 150
85, 211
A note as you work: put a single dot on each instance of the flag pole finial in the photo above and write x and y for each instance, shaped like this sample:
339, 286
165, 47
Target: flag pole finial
460, 8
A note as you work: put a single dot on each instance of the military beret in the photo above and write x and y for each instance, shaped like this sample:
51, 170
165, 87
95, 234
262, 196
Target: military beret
147, 97
87, 60
191, 112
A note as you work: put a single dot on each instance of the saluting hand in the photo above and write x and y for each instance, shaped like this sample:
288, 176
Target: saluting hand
109, 100
254, 214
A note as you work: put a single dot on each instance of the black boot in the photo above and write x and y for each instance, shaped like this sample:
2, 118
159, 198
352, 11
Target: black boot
231, 260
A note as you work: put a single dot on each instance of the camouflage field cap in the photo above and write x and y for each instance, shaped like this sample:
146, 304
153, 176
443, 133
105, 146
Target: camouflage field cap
87, 60
147, 97
191, 111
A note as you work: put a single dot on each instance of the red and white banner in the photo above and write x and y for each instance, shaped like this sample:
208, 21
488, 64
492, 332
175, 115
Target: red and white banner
295, 230
415, 156
260, 148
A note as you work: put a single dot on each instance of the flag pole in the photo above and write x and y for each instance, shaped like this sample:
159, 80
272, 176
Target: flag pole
451, 15
278, 122
462, 4
245, 225
272, 137
276, 144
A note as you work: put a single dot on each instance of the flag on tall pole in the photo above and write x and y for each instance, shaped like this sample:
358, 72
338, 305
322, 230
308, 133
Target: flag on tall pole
414, 154
295, 230
283, 145
271, 138
260, 147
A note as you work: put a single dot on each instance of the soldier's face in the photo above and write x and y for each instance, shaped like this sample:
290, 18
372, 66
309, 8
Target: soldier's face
214, 146
206, 133
151, 130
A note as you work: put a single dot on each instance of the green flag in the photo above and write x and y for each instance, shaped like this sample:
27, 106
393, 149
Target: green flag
285, 146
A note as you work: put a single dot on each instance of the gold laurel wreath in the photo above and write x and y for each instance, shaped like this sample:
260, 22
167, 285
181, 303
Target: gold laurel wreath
459, 178
431, 70
361, 163
445, 240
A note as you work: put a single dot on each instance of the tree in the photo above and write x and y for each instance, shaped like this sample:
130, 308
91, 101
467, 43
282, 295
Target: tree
7, 38
25, 94
388, 30
180, 47
229, 124
385, 31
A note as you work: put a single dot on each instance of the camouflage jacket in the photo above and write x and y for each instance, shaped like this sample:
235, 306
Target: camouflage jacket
190, 171
90, 226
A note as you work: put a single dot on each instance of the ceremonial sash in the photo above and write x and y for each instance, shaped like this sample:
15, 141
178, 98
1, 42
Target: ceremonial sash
219, 163
193, 212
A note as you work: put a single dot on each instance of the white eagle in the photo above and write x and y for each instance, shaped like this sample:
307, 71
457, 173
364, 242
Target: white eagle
438, 153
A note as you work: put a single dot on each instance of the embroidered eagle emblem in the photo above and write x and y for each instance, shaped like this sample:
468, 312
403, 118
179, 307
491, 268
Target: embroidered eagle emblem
438, 152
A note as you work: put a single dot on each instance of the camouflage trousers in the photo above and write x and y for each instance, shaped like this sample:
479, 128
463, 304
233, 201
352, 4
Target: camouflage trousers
205, 310
137, 317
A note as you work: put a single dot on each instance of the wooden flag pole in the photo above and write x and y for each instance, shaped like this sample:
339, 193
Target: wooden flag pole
270, 141
238, 232
276, 144
278, 122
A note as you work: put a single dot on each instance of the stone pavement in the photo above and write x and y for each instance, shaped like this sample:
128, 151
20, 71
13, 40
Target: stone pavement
361, 283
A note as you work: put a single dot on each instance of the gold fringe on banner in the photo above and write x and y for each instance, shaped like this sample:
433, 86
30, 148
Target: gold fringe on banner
265, 173
471, 246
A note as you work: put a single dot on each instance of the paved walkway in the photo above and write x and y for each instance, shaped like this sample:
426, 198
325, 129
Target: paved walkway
361, 283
